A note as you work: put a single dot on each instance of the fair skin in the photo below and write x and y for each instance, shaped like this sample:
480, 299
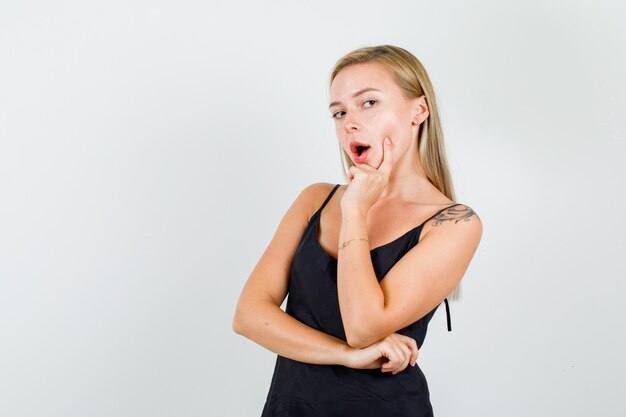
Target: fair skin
390, 179
385, 197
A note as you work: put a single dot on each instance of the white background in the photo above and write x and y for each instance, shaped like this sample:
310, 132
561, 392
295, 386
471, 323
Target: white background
148, 150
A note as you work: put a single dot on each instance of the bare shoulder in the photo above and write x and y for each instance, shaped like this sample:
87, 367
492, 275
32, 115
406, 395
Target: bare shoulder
313, 195
460, 221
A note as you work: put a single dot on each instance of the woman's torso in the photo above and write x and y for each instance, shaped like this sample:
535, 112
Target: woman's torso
302, 389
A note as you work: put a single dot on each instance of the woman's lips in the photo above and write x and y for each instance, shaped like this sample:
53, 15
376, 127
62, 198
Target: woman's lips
355, 144
359, 159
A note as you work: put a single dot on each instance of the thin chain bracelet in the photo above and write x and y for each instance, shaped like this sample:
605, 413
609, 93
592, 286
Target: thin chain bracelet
345, 242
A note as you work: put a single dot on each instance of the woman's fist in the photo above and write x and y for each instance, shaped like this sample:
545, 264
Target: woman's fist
391, 354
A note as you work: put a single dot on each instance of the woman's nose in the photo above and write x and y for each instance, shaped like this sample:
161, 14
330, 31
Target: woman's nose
351, 124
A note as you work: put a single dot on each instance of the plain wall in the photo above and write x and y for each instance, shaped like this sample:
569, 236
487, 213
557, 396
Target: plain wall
148, 151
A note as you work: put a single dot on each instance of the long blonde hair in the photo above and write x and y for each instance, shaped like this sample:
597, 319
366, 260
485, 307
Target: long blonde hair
413, 80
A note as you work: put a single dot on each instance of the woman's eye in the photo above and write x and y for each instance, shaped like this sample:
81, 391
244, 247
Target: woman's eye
334, 116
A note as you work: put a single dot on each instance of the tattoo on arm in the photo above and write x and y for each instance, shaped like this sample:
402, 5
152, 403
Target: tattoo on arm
456, 214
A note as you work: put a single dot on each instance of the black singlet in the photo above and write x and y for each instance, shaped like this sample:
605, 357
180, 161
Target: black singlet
299, 389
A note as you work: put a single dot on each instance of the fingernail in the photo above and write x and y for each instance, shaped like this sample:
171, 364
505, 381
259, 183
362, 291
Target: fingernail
413, 364
387, 141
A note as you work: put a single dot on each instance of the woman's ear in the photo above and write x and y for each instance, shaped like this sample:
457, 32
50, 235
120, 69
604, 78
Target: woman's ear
419, 111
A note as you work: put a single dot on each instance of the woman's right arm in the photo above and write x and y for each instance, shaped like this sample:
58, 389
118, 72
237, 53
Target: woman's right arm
258, 315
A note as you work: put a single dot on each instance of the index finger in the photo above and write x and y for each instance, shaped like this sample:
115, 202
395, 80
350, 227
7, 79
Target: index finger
385, 165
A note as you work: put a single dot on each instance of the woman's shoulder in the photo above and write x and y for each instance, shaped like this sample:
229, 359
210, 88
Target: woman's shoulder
456, 212
319, 190
458, 220
314, 195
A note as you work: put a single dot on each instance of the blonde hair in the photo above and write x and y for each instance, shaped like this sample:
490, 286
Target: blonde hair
413, 80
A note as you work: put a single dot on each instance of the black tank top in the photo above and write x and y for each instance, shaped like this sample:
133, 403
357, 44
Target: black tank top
299, 389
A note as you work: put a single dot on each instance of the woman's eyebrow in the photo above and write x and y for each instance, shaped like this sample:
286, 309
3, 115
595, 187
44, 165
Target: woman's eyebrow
358, 93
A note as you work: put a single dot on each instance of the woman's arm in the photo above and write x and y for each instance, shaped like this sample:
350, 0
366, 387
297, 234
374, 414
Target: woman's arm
268, 325
293, 339
417, 283
258, 315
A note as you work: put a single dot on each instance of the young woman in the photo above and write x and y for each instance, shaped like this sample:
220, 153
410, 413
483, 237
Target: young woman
366, 264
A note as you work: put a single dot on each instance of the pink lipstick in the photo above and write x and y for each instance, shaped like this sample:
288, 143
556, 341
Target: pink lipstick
360, 151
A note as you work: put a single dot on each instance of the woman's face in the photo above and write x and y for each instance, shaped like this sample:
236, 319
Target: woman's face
367, 106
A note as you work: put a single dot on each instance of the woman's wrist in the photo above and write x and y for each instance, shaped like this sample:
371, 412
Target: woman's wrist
352, 211
343, 354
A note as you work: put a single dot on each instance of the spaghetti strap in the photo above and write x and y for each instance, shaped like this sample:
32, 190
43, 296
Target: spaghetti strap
448, 315
328, 198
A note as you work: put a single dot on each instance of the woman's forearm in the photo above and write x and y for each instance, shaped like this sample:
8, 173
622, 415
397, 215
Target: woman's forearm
271, 327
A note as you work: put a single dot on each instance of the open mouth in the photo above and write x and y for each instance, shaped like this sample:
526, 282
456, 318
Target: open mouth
358, 148
361, 153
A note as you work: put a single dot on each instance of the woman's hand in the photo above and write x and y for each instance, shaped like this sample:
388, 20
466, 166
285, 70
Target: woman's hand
391, 354
367, 183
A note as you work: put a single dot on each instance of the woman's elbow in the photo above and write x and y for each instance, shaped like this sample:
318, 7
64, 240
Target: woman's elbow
241, 318
237, 325
248, 314
356, 340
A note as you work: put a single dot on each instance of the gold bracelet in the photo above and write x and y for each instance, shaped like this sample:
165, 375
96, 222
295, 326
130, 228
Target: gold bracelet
345, 242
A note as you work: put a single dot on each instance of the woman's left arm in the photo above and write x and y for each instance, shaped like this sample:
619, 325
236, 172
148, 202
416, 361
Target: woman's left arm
417, 283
